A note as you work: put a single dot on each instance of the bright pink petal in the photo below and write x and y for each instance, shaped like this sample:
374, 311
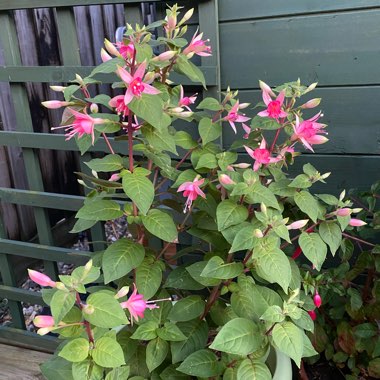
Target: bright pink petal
249, 151
139, 73
256, 166
124, 75
281, 96
242, 119
263, 113
307, 145
128, 96
266, 97
283, 114
148, 89
232, 124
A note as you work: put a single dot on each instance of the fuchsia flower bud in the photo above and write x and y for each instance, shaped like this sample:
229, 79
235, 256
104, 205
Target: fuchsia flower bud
297, 224
242, 165
165, 56
44, 321
226, 180
317, 300
104, 55
122, 292
356, 222
58, 88
54, 104
114, 177
343, 211
313, 314
311, 103
41, 279
94, 108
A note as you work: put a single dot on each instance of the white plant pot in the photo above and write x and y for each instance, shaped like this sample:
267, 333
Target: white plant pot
280, 365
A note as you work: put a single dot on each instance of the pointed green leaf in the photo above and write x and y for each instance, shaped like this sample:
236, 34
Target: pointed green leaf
253, 370
331, 234
187, 309
100, 210
208, 130
160, 224
108, 353
307, 204
146, 331
75, 350
156, 352
171, 332
217, 268
109, 163
229, 213
196, 270
184, 140
57, 368
87, 370
244, 239
209, 104
161, 139
120, 258
202, 363
61, 303
261, 194
185, 67
148, 278
314, 248
118, 373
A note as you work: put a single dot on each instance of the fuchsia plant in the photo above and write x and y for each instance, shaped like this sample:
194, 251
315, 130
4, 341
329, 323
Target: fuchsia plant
248, 218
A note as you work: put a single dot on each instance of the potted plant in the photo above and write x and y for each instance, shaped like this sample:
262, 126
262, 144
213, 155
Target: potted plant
243, 218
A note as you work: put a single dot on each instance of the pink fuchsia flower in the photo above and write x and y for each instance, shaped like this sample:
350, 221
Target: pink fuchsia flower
313, 314
191, 190
54, 104
83, 124
317, 300
307, 132
198, 46
274, 107
261, 156
233, 116
126, 51
136, 305
136, 84
247, 130
356, 222
44, 321
41, 279
185, 101
117, 102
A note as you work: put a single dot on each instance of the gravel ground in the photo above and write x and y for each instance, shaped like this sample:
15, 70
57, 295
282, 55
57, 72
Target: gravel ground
113, 231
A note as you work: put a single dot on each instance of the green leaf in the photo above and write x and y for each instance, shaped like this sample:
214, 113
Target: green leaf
184, 140
308, 349
108, 66
108, 353
196, 333
273, 266
118, 373
61, 303
307, 204
87, 370
100, 210
185, 176
75, 350
140, 189
109, 163
208, 130
202, 363
304, 322
57, 368
228, 213
69, 91
196, 270
331, 234
209, 104
161, 139
156, 352
273, 314
171, 332
302, 181
261, 194
239, 336
143, 52
102, 99
160, 224
365, 330
82, 225
120, 258
107, 311
146, 331
187, 68
244, 239
217, 268
288, 339
265, 123
170, 373
207, 160
253, 370
148, 278
328, 199
150, 108
180, 278
187, 309
313, 248
83, 276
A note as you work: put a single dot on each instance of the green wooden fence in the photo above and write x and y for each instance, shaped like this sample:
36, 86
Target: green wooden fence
16, 75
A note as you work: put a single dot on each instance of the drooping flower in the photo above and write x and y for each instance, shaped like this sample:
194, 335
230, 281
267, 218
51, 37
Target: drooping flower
261, 155
126, 51
233, 116
185, 101
43, 321
117, 102
247, 130
317, 300
83, 124
313, 314
307, 132
274, 107
356, 222
191, 190
136, 305
41, 279
198, 46
136, 84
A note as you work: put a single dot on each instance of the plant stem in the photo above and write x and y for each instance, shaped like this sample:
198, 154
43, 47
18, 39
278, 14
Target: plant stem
348, 236
275, 140
211, 300
86, 323
108, 143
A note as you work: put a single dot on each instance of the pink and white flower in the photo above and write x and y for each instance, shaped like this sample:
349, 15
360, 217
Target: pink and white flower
117, 102
41, 279
261, 155
191, 190
356, 222
185, 101
54, 104
198, 46
83, 124
233, 116
274, 107
136, 305
44, 321
307, 132
317, 300
126, 51
136, 84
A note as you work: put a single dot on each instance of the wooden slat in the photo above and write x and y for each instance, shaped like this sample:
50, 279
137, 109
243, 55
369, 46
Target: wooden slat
41, 199
51, 74
38, 251
332, 49
350, 131
244, 9
21, 295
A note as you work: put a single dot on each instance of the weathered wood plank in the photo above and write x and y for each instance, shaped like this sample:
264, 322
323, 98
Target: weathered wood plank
350, 130
19, 363
244, 9
332, 49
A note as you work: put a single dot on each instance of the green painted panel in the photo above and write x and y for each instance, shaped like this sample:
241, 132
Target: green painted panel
332, 49
21, 295
244, 9
352, 118
39, 251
